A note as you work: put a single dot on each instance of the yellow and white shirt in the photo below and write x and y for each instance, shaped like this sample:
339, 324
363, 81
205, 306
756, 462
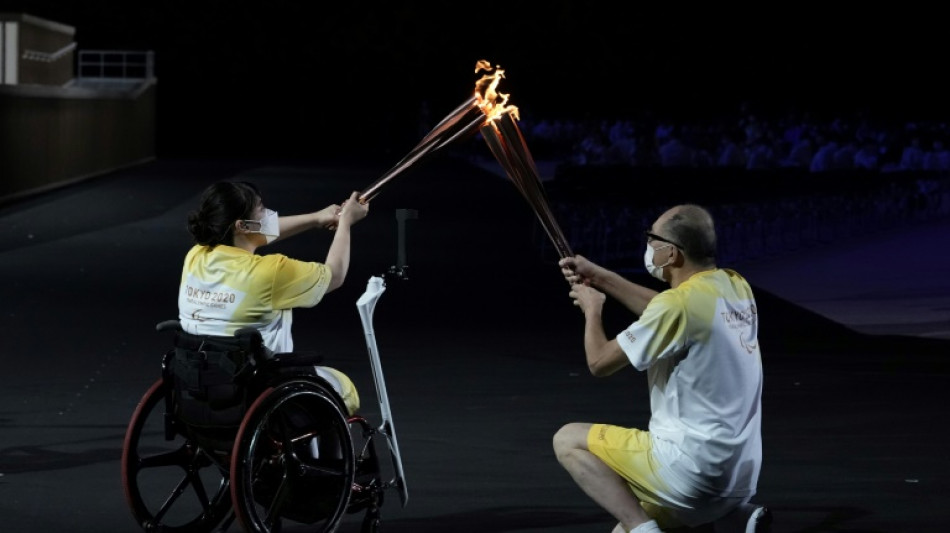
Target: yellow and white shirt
225, 288
699, 345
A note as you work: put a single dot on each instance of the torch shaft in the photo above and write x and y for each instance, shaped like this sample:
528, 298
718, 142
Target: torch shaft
446, 131
519, 166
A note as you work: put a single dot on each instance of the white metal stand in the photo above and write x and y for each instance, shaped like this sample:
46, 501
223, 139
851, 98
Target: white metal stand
366, 305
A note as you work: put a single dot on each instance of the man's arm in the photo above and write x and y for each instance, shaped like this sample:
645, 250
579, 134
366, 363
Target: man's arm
604, 357
633, 296
578, 269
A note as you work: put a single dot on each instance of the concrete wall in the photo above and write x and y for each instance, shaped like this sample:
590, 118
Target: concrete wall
39, 51
53, 136
55, 131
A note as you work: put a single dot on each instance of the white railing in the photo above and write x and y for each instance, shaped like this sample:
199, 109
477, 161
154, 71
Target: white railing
45, 57
115, 64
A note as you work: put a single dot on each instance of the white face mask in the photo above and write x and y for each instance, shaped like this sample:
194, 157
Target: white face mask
269, 225
655, 271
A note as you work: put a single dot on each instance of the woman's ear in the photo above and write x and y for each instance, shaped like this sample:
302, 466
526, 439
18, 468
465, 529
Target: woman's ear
240, 226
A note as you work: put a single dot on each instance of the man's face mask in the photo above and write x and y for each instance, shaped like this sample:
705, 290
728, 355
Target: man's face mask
268, 226
654, 270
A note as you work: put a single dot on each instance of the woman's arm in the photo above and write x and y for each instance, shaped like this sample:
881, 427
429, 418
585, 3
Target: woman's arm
338, 257
291, 225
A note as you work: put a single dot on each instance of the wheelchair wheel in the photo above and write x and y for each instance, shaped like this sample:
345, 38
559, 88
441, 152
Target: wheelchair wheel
170, 485
293, 460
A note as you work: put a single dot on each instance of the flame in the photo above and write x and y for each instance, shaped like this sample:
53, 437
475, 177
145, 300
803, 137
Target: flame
500, 131
488, 113
488, 99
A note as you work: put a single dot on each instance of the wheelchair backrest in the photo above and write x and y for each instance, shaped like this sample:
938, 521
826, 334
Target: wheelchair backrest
210, 376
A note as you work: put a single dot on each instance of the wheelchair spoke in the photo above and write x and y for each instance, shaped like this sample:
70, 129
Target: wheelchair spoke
199, 486
172, 498
292, 461
310, 469
180, 457
277, 505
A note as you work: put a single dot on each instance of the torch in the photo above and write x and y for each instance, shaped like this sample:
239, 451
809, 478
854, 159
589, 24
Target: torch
488, 113
508, 145
463, 121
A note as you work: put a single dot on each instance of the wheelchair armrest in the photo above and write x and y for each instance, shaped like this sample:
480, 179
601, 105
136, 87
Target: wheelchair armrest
255, 341
247, 331
168, 325
295, 359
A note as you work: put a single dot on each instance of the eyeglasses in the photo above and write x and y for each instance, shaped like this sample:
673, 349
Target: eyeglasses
654, 237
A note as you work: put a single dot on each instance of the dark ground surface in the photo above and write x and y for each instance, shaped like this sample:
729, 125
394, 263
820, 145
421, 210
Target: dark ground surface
481, 348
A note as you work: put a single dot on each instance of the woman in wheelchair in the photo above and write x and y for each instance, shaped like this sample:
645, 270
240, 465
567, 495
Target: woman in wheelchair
240, 427
226, 286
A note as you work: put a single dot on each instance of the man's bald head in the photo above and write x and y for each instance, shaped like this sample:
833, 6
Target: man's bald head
691, 226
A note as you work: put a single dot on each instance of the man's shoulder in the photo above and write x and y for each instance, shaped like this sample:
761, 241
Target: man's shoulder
734, 277
709, 281
671, 298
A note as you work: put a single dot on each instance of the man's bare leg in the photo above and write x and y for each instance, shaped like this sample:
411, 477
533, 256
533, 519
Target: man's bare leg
596, 479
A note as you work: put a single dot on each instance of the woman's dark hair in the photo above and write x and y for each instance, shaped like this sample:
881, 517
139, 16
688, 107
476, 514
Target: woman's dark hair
221, 204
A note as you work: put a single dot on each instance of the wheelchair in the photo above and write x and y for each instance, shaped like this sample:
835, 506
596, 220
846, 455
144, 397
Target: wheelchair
229, 433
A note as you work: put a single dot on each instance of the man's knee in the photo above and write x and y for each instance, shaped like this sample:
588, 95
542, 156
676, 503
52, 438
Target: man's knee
559, 441
570, 437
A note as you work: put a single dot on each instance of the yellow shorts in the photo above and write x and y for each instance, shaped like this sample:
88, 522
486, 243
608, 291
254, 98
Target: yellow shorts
629, 452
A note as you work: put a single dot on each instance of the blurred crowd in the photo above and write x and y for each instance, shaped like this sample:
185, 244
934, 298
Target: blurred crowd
748, 139
914, 152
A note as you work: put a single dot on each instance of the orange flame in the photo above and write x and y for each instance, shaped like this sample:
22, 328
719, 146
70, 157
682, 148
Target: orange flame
489, 100
500, 131
487, 112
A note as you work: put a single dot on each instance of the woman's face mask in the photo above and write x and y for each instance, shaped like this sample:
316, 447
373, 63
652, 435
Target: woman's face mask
268, 226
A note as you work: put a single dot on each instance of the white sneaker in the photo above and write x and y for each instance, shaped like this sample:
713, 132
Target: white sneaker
759, 521
747, 518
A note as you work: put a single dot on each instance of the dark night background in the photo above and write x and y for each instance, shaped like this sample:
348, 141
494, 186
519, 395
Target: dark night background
321, 79
483, 350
